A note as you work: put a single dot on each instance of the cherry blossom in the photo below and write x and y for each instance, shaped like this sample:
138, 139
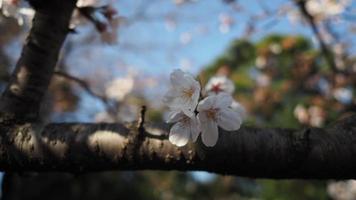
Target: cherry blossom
185, 129
120, 87
13, 8
342, 190
191, 118
183, 94
216, 111
323, 9
219, 84
9, 7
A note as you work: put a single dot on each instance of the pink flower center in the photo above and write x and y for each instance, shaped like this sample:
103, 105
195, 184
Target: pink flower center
216, 88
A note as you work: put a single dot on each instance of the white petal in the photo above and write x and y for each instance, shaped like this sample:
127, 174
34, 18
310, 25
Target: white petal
223, 100
209, 130
188, 111
169, 96
174, 116
178, 79
206, 103
239, 108
194, 128
229, 119
179, 134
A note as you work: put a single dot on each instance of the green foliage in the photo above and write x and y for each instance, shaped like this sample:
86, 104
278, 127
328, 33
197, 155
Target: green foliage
272, 77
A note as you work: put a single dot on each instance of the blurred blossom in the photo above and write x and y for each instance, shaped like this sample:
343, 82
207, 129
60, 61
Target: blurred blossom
275, 48
313, 116
218, 84
185, 38
263, 80
180, 2
343, 95
94, 3
120, 87
316, 116
324, 86
323, 9
9, 7
104, 18
226, 21
301, 113
104, 117
261, 62
342, 190
170, 23
339, 52
14, 8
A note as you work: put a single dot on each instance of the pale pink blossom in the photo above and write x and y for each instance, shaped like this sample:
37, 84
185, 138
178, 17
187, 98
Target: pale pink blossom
185, 128
216, 111
183, 94
218, 84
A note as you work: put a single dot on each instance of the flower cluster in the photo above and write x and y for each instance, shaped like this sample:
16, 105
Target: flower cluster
192, 117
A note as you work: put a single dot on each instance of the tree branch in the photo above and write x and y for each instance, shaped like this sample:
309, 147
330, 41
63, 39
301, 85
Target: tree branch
82, 84
29, 82
310, 153
324, 48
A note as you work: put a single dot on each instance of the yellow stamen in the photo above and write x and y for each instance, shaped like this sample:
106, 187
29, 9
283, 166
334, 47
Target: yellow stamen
188, 93
211, 113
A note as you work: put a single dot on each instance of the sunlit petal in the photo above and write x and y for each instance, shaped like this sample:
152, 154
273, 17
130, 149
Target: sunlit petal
209, 130
194, 128
223, 100
179, 134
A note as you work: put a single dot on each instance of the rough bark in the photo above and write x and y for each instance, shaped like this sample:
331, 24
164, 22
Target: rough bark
28, 84
310, 153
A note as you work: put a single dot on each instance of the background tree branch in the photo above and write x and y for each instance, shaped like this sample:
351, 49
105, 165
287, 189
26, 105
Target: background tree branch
328, 55
34, 69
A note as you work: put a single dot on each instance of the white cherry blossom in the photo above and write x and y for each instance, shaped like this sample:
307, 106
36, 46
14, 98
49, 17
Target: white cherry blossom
9, 7
216, 111
185, 129
323, 9
14, 9
120, 87
183, 94
219, 84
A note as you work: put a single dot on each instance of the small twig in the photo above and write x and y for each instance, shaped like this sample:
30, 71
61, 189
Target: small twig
81, 83
324, 48
141, 121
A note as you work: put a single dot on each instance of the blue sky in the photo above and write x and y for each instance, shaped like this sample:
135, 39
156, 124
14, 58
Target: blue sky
145, 43
151, 49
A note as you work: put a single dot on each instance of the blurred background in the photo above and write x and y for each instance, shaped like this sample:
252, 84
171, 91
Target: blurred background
293, 64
